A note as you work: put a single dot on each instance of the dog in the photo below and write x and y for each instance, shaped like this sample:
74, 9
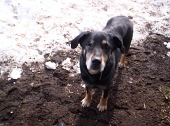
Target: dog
102, 52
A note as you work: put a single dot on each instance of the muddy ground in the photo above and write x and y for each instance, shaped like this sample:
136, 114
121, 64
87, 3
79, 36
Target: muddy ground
140, 94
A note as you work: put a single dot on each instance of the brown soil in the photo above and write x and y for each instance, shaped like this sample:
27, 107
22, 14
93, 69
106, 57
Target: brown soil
140, 94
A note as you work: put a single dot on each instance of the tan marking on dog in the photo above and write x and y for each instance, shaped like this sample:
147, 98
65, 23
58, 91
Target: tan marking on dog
87, 100
103, 62
103, 58
122, 61
104, 42
103, 103
89, 63
91, 55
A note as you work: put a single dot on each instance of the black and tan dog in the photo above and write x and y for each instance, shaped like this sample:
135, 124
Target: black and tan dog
101, 52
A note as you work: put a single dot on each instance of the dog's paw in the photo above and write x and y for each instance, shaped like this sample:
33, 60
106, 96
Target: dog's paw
102, 107
85, 102
121, 65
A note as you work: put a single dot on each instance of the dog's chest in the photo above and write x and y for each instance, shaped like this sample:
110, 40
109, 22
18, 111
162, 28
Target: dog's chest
96, 82
97, 85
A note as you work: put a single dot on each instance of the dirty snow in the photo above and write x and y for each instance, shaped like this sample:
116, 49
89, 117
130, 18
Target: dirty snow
29, 29
66, 64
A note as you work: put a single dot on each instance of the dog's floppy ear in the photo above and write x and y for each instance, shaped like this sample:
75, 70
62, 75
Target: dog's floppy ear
119, 43
79, 39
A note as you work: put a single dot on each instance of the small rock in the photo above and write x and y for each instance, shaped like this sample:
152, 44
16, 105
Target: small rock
130, 17
32, 84
105, 8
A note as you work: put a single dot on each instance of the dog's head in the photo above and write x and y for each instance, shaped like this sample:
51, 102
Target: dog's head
97, 47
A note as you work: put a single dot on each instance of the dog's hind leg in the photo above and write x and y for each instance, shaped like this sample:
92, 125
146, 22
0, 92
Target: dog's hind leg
87, 100
122, 61
126, 42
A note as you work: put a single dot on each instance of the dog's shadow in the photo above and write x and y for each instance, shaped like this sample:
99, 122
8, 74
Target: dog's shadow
117, 81
91, 116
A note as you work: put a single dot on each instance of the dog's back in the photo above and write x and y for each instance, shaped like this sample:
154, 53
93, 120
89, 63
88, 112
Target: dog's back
122, 27
119, 24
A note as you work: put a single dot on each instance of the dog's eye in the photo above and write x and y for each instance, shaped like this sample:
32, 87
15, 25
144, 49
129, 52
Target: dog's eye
106, 46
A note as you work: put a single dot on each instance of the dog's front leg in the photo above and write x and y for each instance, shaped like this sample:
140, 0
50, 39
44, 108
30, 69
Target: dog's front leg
87, 100
103, 101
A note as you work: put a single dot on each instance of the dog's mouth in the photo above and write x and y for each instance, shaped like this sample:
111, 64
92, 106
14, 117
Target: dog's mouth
91, 71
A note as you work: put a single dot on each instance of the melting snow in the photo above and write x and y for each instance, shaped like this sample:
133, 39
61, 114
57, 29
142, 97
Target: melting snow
66, 64
168, 45
16, 73
29, 29
168, 54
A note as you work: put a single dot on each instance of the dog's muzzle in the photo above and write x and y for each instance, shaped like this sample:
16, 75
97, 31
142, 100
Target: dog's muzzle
95, 65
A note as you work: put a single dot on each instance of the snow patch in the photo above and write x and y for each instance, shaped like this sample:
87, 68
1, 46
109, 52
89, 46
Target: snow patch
51, 65
168, 45
29, 29
66, 64
16, 73
165, 43
168, 54
83, 85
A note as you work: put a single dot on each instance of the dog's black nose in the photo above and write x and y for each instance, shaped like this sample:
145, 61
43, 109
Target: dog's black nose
96, 61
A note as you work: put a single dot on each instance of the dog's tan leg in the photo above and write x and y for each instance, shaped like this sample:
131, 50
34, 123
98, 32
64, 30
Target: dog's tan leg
87, 100
103, 103
122, 61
